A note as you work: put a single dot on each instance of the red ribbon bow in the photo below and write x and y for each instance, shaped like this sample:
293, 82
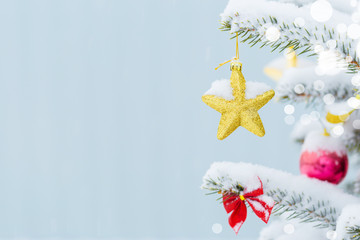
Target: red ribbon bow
262, 205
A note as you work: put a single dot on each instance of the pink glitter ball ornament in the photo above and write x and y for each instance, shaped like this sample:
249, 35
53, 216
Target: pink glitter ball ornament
324, 158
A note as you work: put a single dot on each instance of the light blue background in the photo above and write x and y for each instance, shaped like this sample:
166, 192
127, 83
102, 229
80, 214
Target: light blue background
103, 133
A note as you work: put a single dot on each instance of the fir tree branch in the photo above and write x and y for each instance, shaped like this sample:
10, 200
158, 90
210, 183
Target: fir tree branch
354, 232
302, 207
253, 31
294, 205
298, 197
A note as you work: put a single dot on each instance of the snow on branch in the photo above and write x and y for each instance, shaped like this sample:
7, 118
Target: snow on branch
308, 200
353, 232
290, 23
304, 84
348, 225
350, 138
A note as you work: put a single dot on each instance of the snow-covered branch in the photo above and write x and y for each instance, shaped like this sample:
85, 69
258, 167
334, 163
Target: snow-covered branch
350, 136
348, 224
304, 85
308, 200
291, 23
353, 232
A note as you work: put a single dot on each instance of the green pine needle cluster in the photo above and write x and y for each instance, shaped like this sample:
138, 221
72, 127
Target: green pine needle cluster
299, 206
299, 38
354, 232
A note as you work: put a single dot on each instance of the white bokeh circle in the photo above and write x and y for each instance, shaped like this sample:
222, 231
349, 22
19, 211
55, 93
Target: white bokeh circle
217, 228
289, 109
272, 34
289, 228
321, 10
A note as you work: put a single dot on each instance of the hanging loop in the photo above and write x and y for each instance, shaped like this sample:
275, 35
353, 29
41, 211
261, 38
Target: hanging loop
233, 59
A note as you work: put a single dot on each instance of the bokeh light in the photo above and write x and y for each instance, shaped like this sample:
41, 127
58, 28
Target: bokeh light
318, 48
356, 124
299, 21
321, 10
329, 99
331, 235
272, 34
289, 120
338, 130
319, 85
353, 102
331, 44
299, 88
289, 228
217, 228
289, 109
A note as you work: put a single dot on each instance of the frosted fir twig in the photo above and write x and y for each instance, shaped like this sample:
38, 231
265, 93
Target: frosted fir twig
294, 204
354, 232
348, 223
308, 200
305, 84
251, 20
311, 96
350, 138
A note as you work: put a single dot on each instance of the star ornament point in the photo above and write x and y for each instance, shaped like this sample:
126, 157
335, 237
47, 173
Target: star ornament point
239, 111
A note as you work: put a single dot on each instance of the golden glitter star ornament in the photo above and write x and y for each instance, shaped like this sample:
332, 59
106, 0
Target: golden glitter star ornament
240, 110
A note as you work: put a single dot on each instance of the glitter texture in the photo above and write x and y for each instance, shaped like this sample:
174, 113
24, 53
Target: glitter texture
239, 111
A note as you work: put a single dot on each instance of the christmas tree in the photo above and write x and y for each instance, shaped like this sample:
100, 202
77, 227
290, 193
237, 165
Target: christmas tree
320, 69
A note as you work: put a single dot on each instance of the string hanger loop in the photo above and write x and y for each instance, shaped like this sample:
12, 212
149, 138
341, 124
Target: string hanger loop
233, 59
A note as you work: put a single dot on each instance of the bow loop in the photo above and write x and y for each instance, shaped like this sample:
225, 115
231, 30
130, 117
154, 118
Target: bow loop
261, 204
254, 189
230, 202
